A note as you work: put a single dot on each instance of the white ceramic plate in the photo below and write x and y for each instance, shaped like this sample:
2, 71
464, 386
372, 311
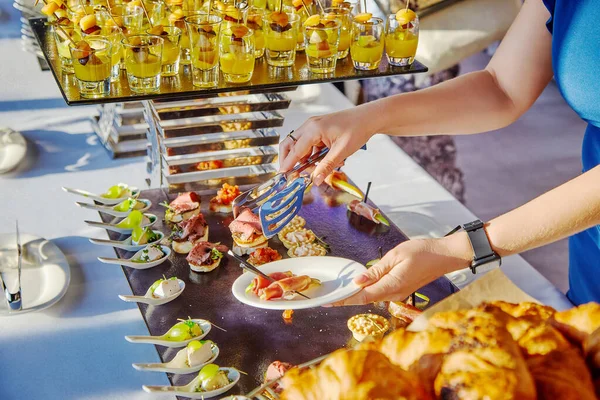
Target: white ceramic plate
336, 275
45, 273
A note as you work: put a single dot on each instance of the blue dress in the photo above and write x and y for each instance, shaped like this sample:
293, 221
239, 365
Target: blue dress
575, 29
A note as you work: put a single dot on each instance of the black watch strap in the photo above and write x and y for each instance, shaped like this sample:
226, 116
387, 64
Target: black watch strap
482, 250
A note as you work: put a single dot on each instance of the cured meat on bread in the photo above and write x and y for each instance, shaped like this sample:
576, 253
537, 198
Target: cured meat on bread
206, 256
190, 232
185, 206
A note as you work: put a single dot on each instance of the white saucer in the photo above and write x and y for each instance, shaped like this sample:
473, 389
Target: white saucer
45, 273
13, 148
336, 275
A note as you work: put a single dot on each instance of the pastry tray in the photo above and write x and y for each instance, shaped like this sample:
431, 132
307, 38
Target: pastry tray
180, 87
256, 337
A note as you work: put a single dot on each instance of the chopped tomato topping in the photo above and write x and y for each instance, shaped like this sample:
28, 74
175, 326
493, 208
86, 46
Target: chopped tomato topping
228, 193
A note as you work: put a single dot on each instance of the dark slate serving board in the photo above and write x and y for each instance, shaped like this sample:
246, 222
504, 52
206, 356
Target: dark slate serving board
256, 337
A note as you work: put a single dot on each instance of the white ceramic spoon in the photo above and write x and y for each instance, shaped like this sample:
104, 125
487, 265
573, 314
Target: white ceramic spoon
163, 341
178, 365
127, 244
189, 389
148, 298
110, 210
136, 264
112, 226
135, 192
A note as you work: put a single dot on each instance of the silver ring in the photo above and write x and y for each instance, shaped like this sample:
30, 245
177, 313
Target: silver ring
292, 137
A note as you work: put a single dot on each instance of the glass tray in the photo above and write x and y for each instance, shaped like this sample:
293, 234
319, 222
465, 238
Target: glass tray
180, 87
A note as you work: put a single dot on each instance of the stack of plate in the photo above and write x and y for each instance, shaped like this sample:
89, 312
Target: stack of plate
122, 128
30, 44
201, 144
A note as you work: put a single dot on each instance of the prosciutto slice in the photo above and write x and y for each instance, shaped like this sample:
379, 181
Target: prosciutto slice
201, 253
279, 288
192, 229
364, 210
259, 283
185, 202
246, 225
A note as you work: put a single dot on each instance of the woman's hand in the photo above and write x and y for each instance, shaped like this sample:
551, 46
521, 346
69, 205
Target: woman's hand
342, 132
410, 266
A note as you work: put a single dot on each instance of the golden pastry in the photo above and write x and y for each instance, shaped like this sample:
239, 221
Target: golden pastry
307, 250
291, 237
365, 326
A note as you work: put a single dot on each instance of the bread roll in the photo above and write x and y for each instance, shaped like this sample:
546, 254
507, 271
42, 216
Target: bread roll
353, 375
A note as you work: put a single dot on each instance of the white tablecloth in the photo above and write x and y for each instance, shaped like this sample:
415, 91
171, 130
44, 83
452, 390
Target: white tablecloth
76, 350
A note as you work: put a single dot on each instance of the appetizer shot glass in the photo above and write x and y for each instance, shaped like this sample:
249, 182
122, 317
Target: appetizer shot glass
402, 38
127, 17
143, 62
255, 22
343, 16
171, 49
116, 51
281, 35
63, 37
233, 14
77, 12
304, 9
366, 49
156, 11
237, 53
203, 35
322, 45
177, 17
92, 66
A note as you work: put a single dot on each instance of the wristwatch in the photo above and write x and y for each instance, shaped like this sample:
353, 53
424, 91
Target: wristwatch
484, 255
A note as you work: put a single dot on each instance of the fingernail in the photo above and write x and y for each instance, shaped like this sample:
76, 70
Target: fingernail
327, 306
319, 179
361, 279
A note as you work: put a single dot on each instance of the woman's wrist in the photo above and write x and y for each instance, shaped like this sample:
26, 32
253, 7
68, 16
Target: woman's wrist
459, 250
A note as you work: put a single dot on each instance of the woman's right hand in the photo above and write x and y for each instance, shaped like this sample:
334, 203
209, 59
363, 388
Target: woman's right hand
343, 132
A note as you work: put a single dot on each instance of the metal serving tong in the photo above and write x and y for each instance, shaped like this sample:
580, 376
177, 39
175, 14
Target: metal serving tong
276, 201
14, 299
249, 267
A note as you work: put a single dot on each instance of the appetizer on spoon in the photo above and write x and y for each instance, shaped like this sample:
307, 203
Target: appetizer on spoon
150, 256
114, 194
179, 335
210, 382
123, 209
188, 360
127, 224
137, 241
161, 292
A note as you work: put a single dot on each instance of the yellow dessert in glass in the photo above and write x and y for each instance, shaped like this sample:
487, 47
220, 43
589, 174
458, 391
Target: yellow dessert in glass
402, 37
322, 38
343, 16
143, 62
237, 54
92, 66
171, 50
281, 36
367, 45
203, 35
255, 22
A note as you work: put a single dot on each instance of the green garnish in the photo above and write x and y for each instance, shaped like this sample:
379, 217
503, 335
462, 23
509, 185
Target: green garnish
215, 254
250, 287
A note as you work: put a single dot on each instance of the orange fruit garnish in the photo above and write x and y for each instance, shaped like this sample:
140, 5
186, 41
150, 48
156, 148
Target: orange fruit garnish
363, 17
313, 20
239, 31
404, 16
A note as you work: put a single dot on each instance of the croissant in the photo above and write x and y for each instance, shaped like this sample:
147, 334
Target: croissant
353, 375
579, 322
404, 348
484, 361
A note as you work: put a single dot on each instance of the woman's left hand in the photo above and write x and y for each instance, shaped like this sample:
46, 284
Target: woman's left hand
410, 266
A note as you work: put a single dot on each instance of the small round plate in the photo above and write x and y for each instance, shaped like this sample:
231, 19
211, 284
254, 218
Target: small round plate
336, 275
45, 272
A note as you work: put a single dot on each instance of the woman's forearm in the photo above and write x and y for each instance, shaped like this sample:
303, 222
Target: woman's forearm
559, 213
471, 103
480, 101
